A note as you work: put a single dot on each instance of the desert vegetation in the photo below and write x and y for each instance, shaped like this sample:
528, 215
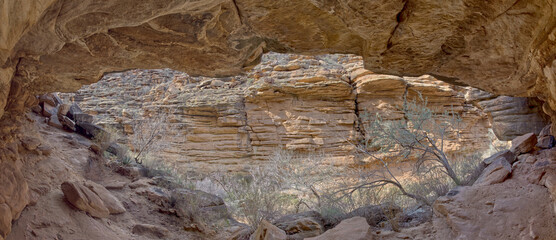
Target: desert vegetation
292, 182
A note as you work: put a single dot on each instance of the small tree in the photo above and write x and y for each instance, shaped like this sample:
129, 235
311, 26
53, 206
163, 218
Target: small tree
419, 136
149, 136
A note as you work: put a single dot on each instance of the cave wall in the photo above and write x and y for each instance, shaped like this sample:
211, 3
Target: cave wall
502, 46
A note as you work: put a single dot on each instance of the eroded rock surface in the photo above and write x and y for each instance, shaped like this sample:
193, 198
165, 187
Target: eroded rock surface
506, 46
294, 102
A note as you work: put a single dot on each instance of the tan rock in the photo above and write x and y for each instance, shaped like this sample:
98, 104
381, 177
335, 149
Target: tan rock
514, 116
512, 209
524, 143
141, 183
301, 225
546, 142
267, 231
110, 202
67, 123
496, 172
150, 230
30, 143
63, 109
507, 155
355, 228
84, 199
48, 110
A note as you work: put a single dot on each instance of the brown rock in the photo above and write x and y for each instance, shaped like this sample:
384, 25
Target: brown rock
158, 196
47, 99
524, 143
546, 131
191, 204
84, 199
36, 109
83, 118
355, 228
63, 109
54, 122
267, 231
514, 209
546, 142
149, 230
45, 149
507, 155
110, 202
514, 116
115, 185
67, 123
141, 183
301, 225
496, 172
48, 110
30, 143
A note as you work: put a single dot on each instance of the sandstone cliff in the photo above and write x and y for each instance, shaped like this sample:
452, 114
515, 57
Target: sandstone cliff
289, 101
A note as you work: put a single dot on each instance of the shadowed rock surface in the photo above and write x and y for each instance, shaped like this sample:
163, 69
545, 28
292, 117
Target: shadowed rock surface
505, 46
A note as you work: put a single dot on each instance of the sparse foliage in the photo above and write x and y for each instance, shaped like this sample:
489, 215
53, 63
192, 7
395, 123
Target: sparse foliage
419, 136
149, 136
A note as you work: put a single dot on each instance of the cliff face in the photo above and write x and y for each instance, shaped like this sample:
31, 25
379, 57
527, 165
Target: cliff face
300, 103
503, 46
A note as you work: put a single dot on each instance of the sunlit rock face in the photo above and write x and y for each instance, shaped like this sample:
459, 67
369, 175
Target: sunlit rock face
503, 46
294, 102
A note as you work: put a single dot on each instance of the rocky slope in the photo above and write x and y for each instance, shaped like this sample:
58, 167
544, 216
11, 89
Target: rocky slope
503, 46
292, 102
59, 188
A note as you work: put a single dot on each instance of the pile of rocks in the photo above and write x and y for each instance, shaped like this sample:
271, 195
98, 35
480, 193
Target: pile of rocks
65, 116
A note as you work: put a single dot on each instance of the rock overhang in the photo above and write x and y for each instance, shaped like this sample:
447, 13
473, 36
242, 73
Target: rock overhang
505, 47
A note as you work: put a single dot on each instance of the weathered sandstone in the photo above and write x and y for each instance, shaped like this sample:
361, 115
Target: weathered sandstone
299, 103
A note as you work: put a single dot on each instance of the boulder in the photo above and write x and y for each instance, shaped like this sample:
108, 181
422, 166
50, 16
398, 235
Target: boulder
196, 202
546, 131
301, 225
67, 123
151, 231
374, 214
355, 228
156, 195
83, 118
73, 110
47, 99
110, 202
89, 130
36, 109
85, 199
54, 122
95, 148
514, 116
30, 143
496, 172
141, 183
524, 143
267, 231
56, 98
504, 154
546, 142
63, 110
49, 110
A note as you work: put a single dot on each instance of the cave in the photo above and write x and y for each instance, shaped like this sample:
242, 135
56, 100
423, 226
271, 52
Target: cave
503, 50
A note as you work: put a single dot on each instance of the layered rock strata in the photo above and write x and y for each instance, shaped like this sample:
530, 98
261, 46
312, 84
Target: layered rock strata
300, 103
